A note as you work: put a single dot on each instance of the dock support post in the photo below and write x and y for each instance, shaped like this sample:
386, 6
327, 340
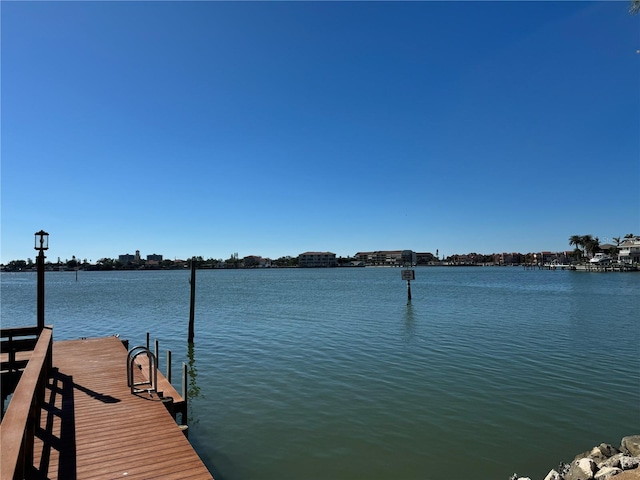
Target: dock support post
184, 380
156, 353
169, 366
185, 393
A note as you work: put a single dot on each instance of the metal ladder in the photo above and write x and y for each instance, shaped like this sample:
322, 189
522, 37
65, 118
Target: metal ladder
152, 382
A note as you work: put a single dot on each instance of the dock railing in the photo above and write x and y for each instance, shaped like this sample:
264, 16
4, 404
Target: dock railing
19, 423
16, 345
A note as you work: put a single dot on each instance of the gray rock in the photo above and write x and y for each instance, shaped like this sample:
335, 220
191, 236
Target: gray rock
608, 450
600, 453
586, 454
606, 472
612, 461
553, 475
627, 463
581, 469
631, 445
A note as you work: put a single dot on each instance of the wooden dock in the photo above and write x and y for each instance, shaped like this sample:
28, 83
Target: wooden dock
92, 427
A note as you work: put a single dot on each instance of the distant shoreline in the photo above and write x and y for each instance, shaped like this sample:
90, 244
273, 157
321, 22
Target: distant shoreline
583, 267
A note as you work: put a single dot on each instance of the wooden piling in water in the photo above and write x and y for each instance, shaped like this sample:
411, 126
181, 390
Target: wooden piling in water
193, 300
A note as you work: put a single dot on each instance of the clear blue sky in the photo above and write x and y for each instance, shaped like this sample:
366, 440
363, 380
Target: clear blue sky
208, 128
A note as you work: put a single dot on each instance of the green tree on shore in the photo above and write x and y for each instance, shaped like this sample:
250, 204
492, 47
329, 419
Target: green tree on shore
576, 240
591, 244
585, 244
616, 249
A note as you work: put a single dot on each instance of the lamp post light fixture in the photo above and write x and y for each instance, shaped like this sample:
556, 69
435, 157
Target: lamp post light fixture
41, 241
41, 244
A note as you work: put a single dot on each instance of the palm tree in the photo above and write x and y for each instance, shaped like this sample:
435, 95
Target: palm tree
590, 244
577, 241
614, 250
577, 253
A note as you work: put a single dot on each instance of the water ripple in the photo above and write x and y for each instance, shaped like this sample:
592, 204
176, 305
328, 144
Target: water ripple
330, 374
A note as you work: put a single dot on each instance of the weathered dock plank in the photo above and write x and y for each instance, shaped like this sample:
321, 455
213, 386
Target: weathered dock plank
92, 427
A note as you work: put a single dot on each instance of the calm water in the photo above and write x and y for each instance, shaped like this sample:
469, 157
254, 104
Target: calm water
304, 373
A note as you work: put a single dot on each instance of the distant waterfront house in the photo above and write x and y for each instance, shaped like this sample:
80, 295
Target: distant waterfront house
317, 259
629, 250
547, 257
506, 258
253, 261
556, 258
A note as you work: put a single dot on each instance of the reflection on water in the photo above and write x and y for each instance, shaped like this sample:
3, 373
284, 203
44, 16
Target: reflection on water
329, 370
193, 390
409, 322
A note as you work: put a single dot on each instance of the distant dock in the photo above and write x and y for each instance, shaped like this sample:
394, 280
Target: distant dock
77, 418
612, 267
590, 267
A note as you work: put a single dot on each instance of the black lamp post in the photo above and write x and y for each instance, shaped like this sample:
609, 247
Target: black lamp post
41, 244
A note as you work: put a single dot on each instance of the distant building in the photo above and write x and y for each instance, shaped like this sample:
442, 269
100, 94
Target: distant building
317, 259
126, 258
154, 261
425, 258
381, 257
629, 250
364, 257
253, 261
547, 257
408, 258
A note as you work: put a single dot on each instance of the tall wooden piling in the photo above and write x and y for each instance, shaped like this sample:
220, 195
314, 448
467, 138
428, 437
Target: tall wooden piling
193, 300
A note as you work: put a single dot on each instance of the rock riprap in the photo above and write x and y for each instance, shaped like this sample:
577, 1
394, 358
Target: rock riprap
599, 463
